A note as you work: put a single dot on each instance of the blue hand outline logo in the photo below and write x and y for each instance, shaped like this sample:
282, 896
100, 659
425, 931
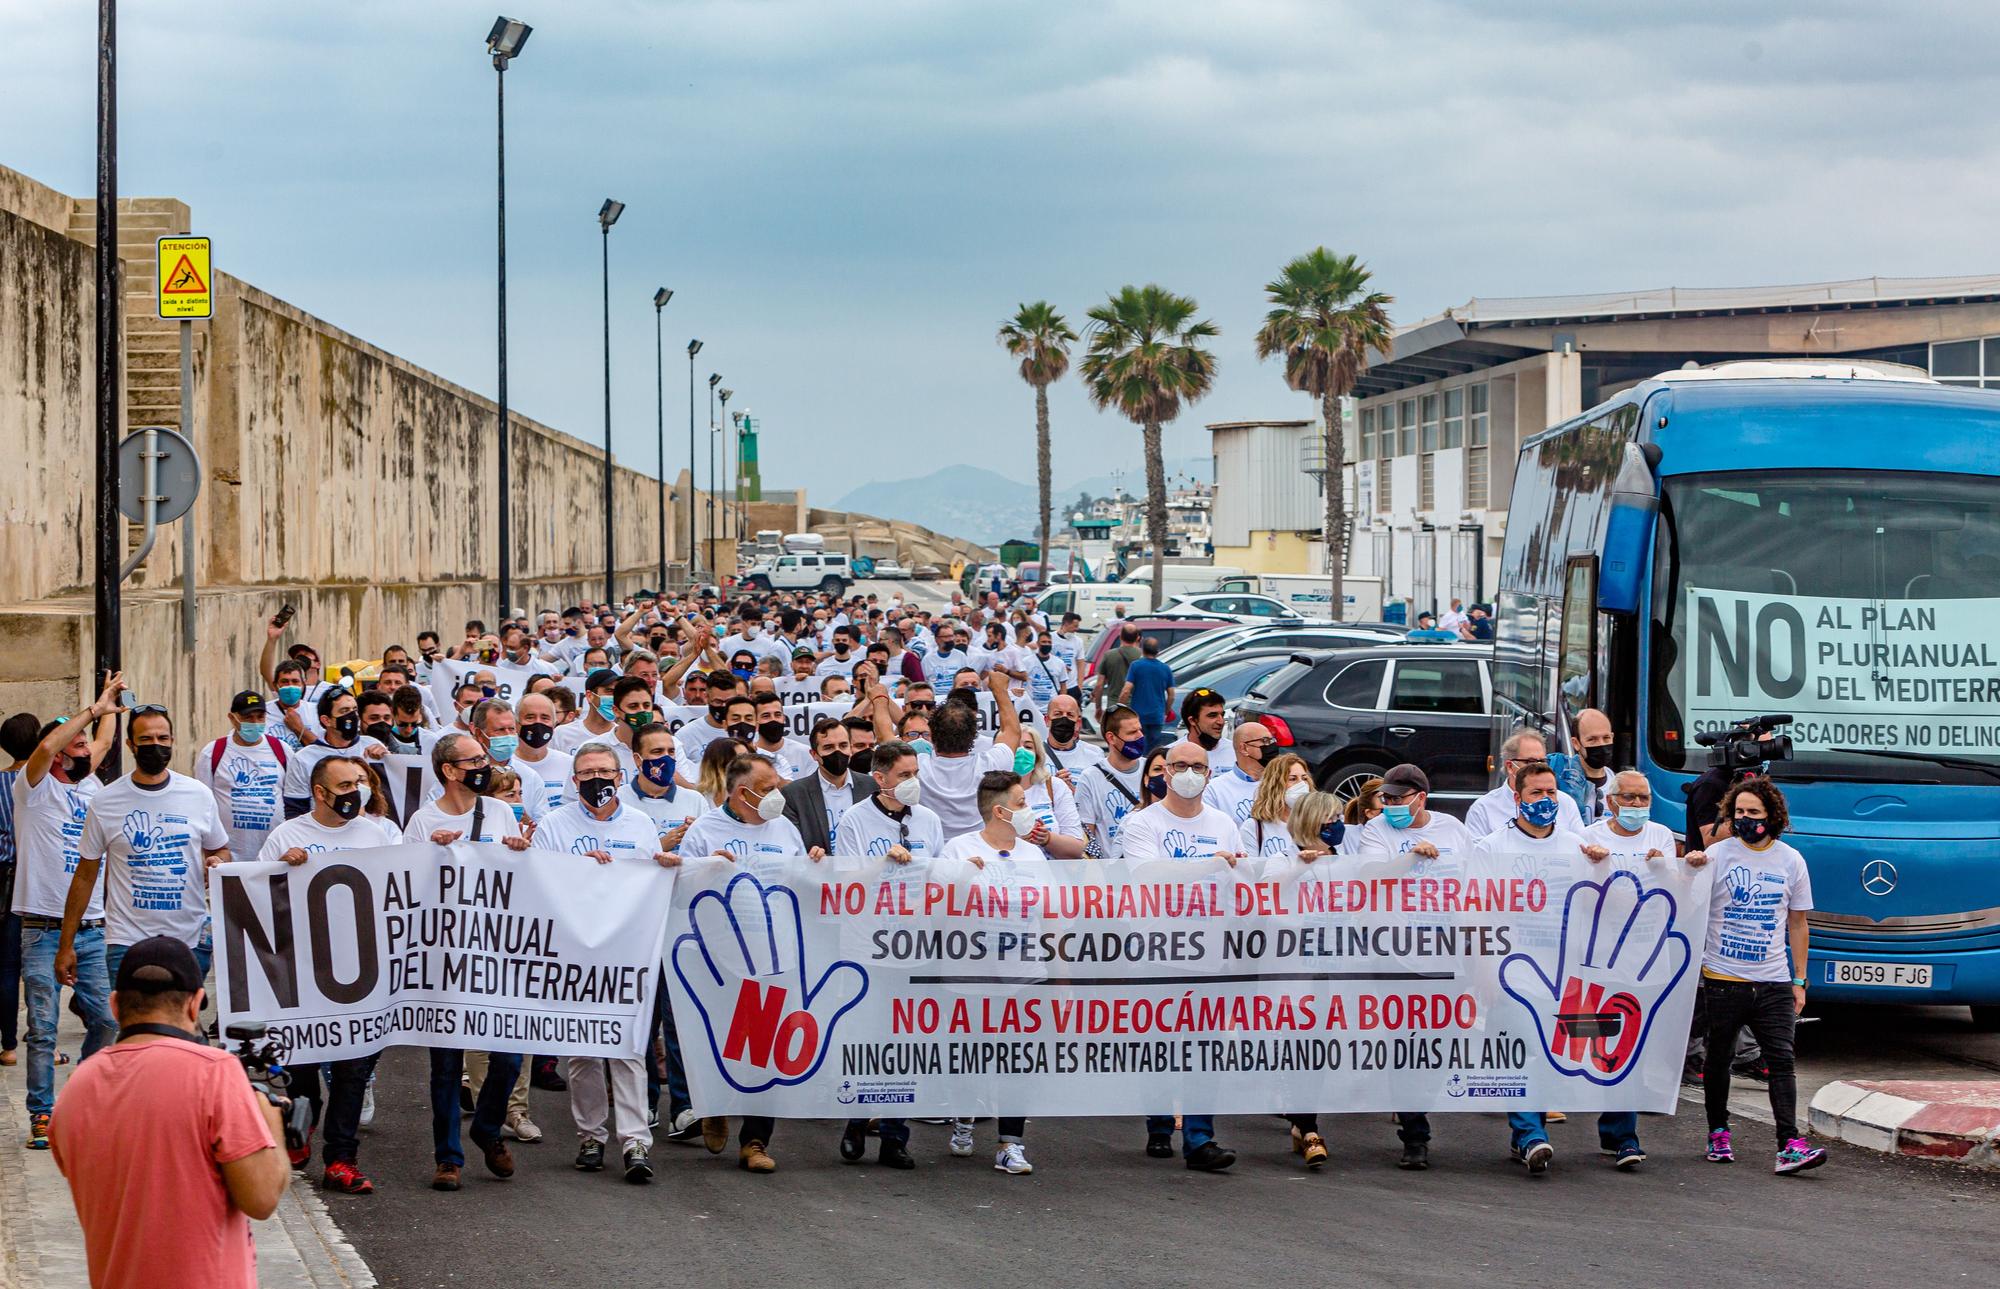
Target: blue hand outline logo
139, 830
1742, 884
583, 845
1174, 842
1617, 958
742, 962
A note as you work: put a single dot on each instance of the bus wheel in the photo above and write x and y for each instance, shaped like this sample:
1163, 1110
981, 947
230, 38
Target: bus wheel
1986, 1019
1344, 781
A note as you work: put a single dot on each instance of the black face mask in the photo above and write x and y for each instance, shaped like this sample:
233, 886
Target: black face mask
835, 763
380, 731
1750, 831
347, 726
76, 767
770, 731
537, 734
716, 710
479, 780
595, 792
1207, 742
151, 758
862, 762
743, 731
347, 804
1045, 651
1062, 729
1597, 758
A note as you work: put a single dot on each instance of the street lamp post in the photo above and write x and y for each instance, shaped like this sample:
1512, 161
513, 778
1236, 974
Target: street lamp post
713, 380
108, 648
694, 347
607, 215
504, 42
722, 427
660, 298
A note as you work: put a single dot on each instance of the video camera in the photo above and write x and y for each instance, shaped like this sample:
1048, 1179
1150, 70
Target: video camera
1744, 745
263, 1061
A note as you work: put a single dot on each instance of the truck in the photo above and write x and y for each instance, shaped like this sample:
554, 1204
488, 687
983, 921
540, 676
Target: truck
1309, 594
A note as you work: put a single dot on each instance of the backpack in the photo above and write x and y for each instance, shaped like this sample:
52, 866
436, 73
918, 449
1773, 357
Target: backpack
217, 748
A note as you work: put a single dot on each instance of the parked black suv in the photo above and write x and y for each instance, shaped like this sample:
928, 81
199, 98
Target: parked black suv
1353, 713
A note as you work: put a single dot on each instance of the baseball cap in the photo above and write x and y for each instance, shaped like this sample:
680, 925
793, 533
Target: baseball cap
247, 703
1405, 778
804, 651
156, 965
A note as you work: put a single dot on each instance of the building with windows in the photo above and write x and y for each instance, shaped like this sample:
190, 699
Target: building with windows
1436, 423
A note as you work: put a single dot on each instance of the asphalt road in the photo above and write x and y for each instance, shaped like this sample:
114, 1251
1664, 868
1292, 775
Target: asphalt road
1098, 1211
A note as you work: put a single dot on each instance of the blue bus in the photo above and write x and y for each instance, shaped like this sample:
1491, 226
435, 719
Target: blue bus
1816, 539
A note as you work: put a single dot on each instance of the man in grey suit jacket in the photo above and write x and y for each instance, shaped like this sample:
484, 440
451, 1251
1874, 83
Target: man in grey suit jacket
815, 803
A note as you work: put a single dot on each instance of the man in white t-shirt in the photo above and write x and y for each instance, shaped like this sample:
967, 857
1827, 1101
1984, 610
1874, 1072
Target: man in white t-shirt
654, 791
1049, 674
494, 724
340, 735
893, 820
774, 741
1632, 839
950, 775
536, 714
1068, 753
1497, 807
157, 834
1231, 791
337, 821
601, 826
1108, 793
597, 717
1204, 718
243, 770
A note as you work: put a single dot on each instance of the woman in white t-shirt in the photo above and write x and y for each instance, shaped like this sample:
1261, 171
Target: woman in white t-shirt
1283, 784
1058, 831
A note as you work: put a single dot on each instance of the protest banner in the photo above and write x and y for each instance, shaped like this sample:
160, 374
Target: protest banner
798, 720
857, 987
466, 946
407, 777
447, 674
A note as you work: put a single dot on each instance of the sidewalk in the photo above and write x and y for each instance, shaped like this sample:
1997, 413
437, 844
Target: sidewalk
41, 1245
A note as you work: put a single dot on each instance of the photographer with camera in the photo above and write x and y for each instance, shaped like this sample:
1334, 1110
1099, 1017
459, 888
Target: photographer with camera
1734, 754
167, 1147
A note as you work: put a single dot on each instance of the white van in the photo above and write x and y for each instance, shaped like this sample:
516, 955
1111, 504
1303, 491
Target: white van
1095, 602
1308, 594
1176, 579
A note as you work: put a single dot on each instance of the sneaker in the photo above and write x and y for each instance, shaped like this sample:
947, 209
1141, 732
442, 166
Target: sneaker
1416, 1157
445, 1178
1626, 1158
895, 1154
347, 1179
854, 1142
1314, 1149
1537, 1157
521, 1128
961, 1138
368, 1104
1010, 1158
1159, 1145
686, 1127
1210, 1158
1718, 1147
754, 1158
1555, 1116
715, 1134
1798, 1156
1758, 1072
590, 1157
301, 1155
638, 1165
653, 1118
38, 1132
546, 1077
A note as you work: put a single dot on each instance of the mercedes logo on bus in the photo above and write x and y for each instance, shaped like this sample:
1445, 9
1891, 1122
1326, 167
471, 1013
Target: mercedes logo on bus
1878, 877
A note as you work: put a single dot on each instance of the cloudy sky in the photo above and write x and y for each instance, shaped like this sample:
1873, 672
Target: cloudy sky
848, 197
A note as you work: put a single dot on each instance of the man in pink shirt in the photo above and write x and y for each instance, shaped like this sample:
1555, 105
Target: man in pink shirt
168, 1150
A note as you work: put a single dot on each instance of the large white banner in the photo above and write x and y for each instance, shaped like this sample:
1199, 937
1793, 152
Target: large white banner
858, 987
467, 946
1921, 675
447, 674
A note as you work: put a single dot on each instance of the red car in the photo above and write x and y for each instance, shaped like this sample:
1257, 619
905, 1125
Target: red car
1165, 630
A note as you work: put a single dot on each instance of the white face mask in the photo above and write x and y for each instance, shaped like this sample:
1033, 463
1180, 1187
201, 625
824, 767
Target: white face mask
1188, 784
1295, 794
908, 792
1021, 822
770, 806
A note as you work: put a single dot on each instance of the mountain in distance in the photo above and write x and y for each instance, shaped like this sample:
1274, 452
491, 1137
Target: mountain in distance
987, 507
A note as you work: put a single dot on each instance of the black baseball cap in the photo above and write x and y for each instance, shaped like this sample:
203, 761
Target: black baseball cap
247, 703
1405, 778
161, 964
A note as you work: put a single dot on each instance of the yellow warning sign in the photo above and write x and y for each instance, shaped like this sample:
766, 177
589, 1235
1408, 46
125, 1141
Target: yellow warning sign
184, 278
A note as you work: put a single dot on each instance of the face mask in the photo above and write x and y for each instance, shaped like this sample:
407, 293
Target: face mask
836, 763
1021, 822
487, 691
921, 746
741, 673
1749, 831
840, 648
659, 770
1206, 742
520, 811
1024, 761
715, 711
743, 731
862, 762
151, 758
380, 731
1633, 818
1134, 750
908, 792
1189, 784
1157, 786
595, 792
640, 719
1045, 650
1399, 816
1295, 794
1597, 758
770, 731
405, 733
347, 804
76, 767
479, 780
1062, 729
1332, 832
770, 806
290, 695
501, 747
537, 734
606, 710
250, 731
1540, 814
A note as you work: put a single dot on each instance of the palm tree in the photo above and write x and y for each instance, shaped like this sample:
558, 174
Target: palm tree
1040, 337
1324, 320
1144, 360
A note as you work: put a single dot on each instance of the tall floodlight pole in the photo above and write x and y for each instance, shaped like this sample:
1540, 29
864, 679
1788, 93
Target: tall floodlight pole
694, 347
504, 43
660, 298
722, 427
109, 653
713, 381
607, 215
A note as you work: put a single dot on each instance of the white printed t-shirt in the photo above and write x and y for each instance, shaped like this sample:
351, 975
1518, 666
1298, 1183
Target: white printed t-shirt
1158, 833
151, 841
1754, 892
313, 837
628, 834
721, 830
244, 781
48, 824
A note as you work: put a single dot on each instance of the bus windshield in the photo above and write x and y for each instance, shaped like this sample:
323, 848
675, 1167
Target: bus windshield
1866, 604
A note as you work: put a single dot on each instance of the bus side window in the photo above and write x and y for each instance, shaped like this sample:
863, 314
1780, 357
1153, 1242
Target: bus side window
1578, 667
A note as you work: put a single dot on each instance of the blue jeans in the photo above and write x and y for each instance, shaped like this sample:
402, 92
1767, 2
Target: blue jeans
38, 972
1616, 1130
891, 1130
115, 954
669, 1071
1197, 1130
489, 1111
